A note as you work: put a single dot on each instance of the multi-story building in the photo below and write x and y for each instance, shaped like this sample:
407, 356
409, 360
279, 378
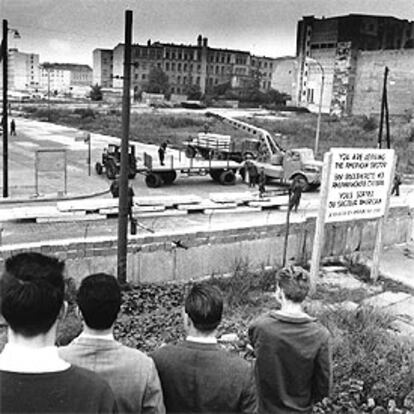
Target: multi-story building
327, 55
185, 66
23, 71
284, 75
63, 77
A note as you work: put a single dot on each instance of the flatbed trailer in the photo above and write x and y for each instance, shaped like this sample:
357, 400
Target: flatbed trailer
221, 171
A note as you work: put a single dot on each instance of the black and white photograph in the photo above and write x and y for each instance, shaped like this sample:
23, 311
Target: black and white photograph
207, 206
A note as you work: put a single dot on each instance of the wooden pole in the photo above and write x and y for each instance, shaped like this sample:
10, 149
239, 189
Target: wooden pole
380, 227
320, 222
384, 88
285, 244
5, 55
387, 118
123, 181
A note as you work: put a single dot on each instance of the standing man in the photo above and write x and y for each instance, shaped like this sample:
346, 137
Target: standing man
12, 127
161, 152
262, 181
33, 378
295, 194
197, 375
130, 373
293, 365
396, 184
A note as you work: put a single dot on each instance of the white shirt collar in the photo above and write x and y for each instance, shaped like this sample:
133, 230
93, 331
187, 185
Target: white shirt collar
107, 337
202, 339
17, 358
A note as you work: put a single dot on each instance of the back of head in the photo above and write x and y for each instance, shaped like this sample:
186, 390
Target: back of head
32, 292
204, 306
294, 281
99, 300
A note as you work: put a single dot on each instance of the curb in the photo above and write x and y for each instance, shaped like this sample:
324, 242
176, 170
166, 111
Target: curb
48, 199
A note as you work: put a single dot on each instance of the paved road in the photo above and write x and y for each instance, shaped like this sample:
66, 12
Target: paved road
32, 135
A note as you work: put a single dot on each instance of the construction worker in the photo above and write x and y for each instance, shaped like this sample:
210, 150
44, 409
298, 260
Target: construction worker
295, 194
161, 152
261, 181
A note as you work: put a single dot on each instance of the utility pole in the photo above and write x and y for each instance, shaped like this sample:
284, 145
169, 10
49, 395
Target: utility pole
123, 180
4, 53
384, 108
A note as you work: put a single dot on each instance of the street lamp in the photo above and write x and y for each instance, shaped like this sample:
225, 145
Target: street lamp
318, 125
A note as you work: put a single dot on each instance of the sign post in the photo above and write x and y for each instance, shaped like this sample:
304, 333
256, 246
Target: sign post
356, 185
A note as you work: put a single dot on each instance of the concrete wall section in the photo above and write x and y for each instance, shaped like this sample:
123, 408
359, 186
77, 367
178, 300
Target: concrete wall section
370, 77
157, 258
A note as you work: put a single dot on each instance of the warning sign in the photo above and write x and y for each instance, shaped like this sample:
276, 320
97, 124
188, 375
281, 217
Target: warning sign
358, 183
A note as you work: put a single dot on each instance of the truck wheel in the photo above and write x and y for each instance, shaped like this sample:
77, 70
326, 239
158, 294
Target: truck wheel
227, 178
169, 177
302, 181
153, 180
98, 168
190, 152
110, 170
215, 175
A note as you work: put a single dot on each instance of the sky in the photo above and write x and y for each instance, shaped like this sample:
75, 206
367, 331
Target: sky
67, 31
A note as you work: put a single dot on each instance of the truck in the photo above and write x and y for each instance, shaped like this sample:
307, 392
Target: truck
279, 164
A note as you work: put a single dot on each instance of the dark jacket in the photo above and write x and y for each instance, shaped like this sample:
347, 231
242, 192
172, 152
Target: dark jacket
293, 366
198, 377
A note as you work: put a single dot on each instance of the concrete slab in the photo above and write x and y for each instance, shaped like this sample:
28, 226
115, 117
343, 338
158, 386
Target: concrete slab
397, 263
387, 299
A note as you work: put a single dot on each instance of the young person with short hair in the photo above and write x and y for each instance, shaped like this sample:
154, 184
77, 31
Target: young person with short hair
130, 373
196, 375
293, 366
33, 378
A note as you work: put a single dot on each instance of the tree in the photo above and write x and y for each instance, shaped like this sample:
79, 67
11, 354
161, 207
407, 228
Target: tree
157, 81
96, 93
193, 92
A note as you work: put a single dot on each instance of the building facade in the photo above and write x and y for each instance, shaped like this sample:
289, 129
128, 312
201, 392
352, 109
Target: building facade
64, 77
328, 50
185, 65
23, 71
284, 75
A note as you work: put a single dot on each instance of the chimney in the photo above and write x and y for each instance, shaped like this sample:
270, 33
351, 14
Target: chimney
205, 40
199, 40
149, 42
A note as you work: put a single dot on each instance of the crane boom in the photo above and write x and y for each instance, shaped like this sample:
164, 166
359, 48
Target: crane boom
269, 145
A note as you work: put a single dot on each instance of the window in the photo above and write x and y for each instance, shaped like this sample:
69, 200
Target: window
309, 97
198, 80
167, 65
143, 77
178, 79
172, 89
185, 67
167, 54
179, 66
173, 66
185, 80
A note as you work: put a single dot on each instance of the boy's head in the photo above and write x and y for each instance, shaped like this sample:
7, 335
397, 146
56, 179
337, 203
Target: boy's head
32, 291
99, 300
293, 281
204, 307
